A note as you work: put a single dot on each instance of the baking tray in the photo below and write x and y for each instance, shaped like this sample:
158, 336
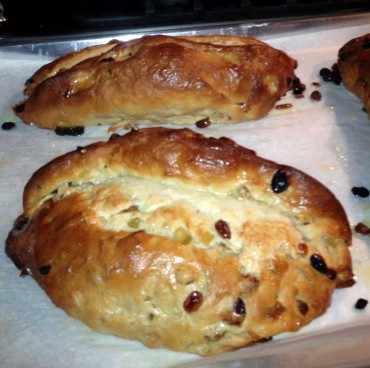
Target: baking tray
328, 139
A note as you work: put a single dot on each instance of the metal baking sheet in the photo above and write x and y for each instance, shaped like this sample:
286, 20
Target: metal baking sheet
328, 139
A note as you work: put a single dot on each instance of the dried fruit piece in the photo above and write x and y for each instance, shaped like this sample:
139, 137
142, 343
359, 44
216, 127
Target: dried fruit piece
182, 235
361, 303
302, 307
223, 229
360, 192
280, 182
362, 229
193, 302
8, 125
318, 263
44, 270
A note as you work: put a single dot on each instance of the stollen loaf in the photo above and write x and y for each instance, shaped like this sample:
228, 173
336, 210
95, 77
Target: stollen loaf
181, 241
159, 79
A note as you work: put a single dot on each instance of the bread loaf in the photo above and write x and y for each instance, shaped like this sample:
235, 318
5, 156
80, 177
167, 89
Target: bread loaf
354, 68
159, 79
180, 241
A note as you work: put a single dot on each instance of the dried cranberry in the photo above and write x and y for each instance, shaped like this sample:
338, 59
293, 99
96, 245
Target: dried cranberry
193, 302
360, 192
280, 181
316, 95
223, 229
302, 248
362, 229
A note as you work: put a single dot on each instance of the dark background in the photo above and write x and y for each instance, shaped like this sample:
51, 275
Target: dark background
35, 18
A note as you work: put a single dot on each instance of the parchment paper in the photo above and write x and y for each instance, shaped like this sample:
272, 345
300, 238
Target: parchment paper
328, 139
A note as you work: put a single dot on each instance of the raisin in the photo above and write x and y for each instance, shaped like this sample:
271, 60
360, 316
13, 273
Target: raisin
280, 182
44, 270
113, 137
362, 229
331, 75
8, 125
361, 303
326, 74
318, 263
203, 123
366, 44
360, 192
298, 87
336, 78
20, 223
276, 311
70, 131
223, 229
193, 302
331, 274
302, 307
239, 307
19, 108
316, 96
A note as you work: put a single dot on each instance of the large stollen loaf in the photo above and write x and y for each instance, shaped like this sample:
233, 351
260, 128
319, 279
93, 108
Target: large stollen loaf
159, 79
181, 241
354, 68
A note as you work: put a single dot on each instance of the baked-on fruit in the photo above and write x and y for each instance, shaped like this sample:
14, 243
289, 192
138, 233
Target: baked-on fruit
354, 68
181, 241
159, 79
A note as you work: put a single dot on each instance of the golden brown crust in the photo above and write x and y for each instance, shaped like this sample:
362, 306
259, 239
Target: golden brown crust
159, 79
180, 241
354, 68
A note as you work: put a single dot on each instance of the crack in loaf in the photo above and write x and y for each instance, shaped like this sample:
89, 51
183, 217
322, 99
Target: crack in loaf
159, 79
181, 241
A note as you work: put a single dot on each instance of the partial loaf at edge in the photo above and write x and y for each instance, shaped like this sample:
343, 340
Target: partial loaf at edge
354, 68
181, 241
159, 79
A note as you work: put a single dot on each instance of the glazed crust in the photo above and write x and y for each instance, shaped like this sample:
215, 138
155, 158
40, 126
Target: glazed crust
354, 68
159, 79
181, 241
